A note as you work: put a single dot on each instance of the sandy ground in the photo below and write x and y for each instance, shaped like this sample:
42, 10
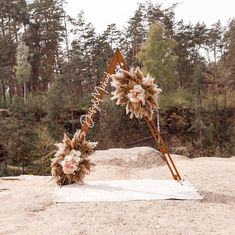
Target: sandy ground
27, 205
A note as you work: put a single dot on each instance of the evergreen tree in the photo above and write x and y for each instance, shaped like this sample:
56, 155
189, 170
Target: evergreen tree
134, 34
84, 42
215, 50
7, 63
112, 36
23, 67
56, 109
189, 42
230, 55
44, 35
17, 133
13, 19
166, 17
158, 57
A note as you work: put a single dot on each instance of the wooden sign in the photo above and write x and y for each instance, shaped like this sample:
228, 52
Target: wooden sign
87, 119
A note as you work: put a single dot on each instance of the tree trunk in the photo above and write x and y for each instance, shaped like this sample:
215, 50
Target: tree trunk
225, 98
25, 90
11, 92
35, 71
4, 94
22, 166
199, 96
3, 26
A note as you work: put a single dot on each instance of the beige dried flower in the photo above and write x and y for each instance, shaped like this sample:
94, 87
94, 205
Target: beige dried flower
71, 163
139, 94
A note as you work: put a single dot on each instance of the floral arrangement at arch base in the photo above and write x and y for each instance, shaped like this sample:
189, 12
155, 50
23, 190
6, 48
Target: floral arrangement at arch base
71, 163
139, 94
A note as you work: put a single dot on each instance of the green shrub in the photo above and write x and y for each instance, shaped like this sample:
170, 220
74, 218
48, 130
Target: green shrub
180, 98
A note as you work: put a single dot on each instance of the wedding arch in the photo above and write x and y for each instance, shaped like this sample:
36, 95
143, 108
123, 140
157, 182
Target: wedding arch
72, 163
87, 120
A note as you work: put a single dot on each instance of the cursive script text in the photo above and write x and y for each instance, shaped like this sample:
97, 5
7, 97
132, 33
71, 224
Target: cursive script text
87, 119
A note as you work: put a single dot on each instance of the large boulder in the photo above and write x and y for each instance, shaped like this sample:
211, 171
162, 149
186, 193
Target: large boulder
133, 157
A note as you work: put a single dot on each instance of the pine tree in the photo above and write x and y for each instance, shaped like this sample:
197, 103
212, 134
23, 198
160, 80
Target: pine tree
215, 49
45, 33
135, 34
85, 38
13, 19
230, 55
190, 40
112, 36
56, 109
166, 17
23, 67
7, 63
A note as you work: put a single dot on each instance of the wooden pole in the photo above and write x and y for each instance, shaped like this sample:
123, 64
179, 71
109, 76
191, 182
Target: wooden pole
163, 149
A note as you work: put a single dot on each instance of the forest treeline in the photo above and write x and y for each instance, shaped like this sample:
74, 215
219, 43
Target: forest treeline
50, 63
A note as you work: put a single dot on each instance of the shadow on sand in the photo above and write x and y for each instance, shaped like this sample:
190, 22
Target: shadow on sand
210, 197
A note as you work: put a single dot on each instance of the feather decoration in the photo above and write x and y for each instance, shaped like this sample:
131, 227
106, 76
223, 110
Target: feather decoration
71, 162
138, 93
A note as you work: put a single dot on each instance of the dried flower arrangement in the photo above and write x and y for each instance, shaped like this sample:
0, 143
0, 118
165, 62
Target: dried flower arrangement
139, 94
71, 163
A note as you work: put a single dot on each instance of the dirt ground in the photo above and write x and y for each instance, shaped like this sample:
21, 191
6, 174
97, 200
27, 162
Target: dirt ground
28, 207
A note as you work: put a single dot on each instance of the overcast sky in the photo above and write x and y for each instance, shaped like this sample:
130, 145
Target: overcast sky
103, 12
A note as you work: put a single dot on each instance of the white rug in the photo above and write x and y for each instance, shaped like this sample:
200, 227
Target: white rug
126, 190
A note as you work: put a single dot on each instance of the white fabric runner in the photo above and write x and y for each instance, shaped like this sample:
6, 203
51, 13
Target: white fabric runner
126, 190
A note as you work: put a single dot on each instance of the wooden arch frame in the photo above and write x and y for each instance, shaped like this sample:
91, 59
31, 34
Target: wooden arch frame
119, 60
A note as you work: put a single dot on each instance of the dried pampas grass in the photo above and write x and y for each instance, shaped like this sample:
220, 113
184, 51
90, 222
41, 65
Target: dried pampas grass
72, 156
138, 93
